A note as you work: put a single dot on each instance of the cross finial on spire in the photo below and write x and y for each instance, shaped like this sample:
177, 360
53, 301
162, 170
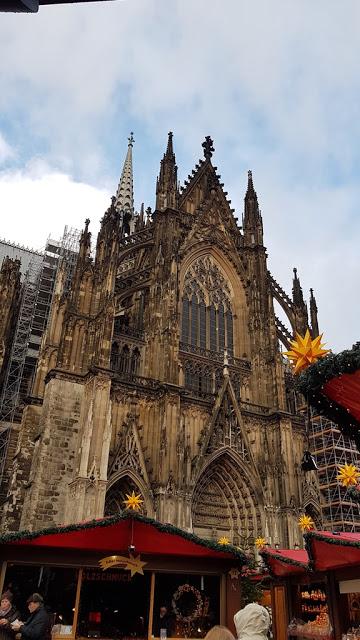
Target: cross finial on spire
313, 315
208, 146
250, 185
169, 148
298, 298
124, 199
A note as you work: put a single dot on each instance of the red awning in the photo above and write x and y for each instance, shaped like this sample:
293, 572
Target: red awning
329, 551
286, 562
345, 390
115, 534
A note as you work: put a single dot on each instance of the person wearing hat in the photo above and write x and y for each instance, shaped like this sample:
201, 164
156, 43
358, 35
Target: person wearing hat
252, 622
8, 614
37, 626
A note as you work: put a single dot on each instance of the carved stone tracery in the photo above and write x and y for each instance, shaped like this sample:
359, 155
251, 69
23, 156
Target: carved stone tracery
206, 280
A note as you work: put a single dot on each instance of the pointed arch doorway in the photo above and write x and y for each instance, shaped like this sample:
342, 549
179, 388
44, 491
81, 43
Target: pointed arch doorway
224, 501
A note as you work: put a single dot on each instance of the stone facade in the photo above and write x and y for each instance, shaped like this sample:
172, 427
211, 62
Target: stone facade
161, 373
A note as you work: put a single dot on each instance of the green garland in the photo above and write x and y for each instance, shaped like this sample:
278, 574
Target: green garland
354, 494
311, 381
111, 520
289, 561
340, 542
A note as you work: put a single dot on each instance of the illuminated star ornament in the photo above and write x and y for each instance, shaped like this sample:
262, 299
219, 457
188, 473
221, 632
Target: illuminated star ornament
224, 541
304, 351
133, 501
306, 523
260, 543
348, 475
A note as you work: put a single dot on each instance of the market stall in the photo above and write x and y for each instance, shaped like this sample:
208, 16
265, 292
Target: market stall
109, 578
316, 592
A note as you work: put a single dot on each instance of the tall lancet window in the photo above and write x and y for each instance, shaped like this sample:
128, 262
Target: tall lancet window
229, 333
185, 320
207, 319
194, 320
202, 325
221, 328
212, 314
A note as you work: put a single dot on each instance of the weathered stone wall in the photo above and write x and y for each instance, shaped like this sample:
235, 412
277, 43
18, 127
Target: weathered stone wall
53, 455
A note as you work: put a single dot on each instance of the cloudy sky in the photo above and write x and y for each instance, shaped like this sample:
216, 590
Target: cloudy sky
275, 83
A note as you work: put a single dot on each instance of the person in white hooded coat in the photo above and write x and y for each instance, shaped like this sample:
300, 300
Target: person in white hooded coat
252, 622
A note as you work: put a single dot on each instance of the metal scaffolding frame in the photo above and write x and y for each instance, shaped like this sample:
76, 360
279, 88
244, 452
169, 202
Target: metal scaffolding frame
331, 449
14, 377
66, 251
34, 313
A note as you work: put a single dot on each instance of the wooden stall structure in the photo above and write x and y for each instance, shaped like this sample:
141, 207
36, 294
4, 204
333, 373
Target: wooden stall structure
316, 592
109, 578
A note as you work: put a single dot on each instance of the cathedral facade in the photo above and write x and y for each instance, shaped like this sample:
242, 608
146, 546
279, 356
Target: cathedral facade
161, 373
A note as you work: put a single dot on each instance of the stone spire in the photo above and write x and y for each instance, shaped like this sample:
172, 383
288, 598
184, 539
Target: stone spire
300, 307
313, 315
124, 199
298, 298
252, 220
167, 193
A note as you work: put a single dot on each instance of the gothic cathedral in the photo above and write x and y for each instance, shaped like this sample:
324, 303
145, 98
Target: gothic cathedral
161, 373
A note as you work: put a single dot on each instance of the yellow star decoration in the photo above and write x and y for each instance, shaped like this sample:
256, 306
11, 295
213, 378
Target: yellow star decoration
348, 475
133, 501
306, 523
234, 574
304, 351
260, 543
224, 540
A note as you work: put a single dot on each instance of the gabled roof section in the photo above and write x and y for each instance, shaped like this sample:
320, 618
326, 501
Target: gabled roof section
204, 184
226, 404
286, 562
115, 534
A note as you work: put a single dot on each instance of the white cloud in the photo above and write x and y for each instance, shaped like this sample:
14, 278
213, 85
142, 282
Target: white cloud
38, 202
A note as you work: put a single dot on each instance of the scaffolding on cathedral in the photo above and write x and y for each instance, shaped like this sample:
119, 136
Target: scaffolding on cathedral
34, 311
331, 449
19, 369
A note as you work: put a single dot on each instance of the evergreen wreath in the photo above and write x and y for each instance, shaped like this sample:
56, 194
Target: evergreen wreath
311, 381
198, 603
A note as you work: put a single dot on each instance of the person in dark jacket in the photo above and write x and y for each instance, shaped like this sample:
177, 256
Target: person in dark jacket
37, 626
164, 623
8, 614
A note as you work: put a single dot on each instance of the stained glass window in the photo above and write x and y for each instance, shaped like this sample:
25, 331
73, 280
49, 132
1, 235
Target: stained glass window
194, 320
185, 321
221, 328
212, 328
202, 310
229, 333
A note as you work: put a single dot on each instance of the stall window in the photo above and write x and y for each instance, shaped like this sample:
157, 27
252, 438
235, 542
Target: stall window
57, 586
185, 606
311, 611
113, 604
